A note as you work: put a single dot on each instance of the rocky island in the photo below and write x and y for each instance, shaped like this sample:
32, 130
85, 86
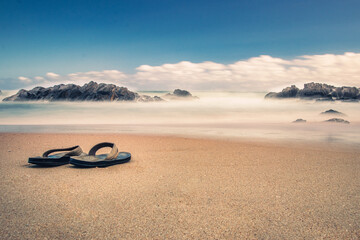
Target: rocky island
299, 120
332, 112
91, 91
179, 94
318, 92
338, 120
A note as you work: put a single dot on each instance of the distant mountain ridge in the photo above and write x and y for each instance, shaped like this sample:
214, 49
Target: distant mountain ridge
319, 92
91, 91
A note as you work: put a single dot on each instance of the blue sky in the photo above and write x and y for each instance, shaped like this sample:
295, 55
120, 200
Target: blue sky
37, 37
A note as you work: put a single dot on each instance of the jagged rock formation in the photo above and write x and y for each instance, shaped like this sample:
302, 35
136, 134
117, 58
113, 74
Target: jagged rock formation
318, 91
146, 98
180, 94
332, 112
300, 120
91, 91
337, 120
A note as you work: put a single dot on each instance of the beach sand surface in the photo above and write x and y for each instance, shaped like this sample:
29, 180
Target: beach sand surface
180, 188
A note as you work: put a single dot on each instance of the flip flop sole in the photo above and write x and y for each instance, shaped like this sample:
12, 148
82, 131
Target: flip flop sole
125, 157
49, 161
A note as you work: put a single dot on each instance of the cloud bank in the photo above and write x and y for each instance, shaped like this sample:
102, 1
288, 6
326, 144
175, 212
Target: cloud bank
261, 73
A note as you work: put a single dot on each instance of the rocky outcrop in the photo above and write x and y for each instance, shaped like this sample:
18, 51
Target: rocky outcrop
289, 92
300, 120
180, 94
146, 98
337, 120
318, 91
332, 112
91, 91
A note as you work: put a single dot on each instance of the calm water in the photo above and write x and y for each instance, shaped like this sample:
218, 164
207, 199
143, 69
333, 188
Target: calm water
215, 114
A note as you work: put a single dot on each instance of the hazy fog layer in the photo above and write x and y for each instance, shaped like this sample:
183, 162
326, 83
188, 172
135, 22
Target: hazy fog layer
215, 114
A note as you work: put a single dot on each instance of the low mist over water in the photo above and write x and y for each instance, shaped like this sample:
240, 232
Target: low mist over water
218, 114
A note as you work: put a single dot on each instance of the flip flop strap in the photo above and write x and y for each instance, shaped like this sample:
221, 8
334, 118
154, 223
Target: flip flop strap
111, 155
73, 151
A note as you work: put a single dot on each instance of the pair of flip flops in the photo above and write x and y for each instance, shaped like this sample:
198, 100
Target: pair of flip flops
75, 155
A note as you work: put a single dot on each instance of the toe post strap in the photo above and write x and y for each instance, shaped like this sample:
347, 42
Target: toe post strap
111, 155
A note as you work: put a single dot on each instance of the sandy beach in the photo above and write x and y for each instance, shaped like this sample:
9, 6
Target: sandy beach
180, 188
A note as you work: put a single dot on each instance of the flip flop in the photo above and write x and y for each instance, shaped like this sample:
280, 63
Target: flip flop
56, 159
101, 160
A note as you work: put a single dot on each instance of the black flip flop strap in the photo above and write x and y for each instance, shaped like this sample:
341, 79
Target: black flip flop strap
113, 153
73, 151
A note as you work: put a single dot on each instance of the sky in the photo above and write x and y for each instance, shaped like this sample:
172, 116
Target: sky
239, 45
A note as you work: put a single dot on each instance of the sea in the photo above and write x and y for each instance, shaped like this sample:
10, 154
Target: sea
235, 115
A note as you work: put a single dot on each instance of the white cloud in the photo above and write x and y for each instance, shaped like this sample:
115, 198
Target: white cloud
257, 73
38, 78
261, 73
50, 78
25, 79
52, 75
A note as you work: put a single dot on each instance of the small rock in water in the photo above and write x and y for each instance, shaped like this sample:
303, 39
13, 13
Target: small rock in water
331, 111
299, 120
337, 120
180, 94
